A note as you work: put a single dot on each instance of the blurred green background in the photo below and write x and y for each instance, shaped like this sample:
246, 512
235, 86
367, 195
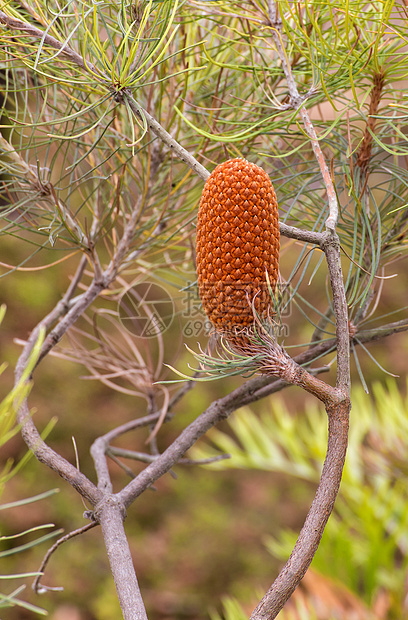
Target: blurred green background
205, 534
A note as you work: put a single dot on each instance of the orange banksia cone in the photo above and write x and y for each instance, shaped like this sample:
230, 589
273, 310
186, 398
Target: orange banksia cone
237, 245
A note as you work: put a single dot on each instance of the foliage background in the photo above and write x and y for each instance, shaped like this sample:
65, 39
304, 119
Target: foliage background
202, 536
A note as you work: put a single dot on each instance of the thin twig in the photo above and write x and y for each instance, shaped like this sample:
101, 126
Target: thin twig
167, 139
37, 586
33, 31
308, 236
297, 102
99, 448
330, 242
143, 457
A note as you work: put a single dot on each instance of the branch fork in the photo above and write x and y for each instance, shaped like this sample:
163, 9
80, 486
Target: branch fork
109, 509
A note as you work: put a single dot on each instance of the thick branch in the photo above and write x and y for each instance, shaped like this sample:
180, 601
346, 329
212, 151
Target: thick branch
338, 412
377, 333
320, 510
217, 411
73, 314
45, 454
30, 434
331, 248
253, 390
110, 515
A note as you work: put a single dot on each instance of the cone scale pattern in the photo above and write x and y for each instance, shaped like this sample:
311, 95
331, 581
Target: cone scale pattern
237, 245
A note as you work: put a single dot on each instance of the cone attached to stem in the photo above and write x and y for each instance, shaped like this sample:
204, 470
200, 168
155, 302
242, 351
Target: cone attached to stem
237, 267
237, 246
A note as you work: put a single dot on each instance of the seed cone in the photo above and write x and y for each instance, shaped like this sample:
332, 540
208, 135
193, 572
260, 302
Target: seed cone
237, 245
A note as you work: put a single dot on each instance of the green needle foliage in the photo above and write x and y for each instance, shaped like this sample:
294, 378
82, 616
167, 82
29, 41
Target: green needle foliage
9, 407
97, 100
74, 151
9, 428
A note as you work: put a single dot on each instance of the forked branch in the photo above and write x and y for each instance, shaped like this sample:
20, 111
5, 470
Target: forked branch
337, 410
110, 508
